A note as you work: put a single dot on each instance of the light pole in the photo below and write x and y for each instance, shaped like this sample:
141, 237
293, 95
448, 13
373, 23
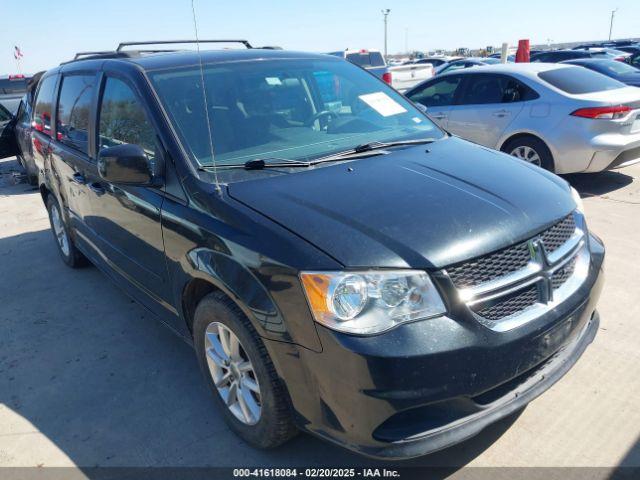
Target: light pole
385, 12
613, 14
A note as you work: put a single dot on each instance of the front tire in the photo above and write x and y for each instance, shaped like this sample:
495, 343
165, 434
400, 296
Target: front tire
66, 248
532, 150
240, 374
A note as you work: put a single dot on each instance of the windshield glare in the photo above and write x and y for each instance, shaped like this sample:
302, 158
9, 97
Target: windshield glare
286, 109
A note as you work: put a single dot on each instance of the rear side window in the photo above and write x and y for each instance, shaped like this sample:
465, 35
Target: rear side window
439, 93
123, 119
74, 109
44, 105
483, 89
577, 80
515, 91
367, 59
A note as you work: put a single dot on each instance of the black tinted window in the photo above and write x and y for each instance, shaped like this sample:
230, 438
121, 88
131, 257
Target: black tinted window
74, 109
482, 89
577, 80
368, 59
439, 93
44, 105
123, 119
516, 91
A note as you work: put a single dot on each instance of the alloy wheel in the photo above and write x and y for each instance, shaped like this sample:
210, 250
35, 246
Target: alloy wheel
527, 154
59, 230
233, 373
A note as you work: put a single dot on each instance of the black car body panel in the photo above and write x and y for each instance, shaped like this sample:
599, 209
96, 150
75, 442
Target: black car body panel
421, 207
427, 209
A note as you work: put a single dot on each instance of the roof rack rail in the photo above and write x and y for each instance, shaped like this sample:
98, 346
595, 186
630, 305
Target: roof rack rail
86, 54
167, 42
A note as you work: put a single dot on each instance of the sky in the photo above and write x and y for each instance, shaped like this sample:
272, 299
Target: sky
49, 32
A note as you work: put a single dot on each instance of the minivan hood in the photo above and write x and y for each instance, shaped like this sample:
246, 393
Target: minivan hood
419, 207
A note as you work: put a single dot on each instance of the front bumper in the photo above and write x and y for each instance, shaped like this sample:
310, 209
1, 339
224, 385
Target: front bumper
430, 384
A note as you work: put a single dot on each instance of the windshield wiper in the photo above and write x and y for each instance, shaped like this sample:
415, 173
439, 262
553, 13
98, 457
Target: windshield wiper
369, 149
359, 151
261, 163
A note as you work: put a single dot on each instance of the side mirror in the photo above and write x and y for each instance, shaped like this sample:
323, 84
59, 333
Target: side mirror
127, 164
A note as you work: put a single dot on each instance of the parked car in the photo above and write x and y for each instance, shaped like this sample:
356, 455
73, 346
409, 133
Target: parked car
12, 88
400, 77
23, 129
331, 271
404, 77
466, 63
610, 53
7, 137
622, 72
561, 117
370, 60
436, 61
554, 56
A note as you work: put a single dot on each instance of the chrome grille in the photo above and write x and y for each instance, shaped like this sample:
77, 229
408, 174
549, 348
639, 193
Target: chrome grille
510, 304
511, 286
489, 267
562, 275
558, 234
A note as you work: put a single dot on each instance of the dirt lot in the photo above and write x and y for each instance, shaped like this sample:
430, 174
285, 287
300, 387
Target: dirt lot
89, 378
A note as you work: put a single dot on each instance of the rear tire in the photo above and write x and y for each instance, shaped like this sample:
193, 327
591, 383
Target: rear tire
64, 242
273, 424
530, 149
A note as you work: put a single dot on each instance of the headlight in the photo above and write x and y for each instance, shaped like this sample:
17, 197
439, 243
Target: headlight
576, 198
370, 302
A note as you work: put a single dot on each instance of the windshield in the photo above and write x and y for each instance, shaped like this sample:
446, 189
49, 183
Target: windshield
577, 80
286, 109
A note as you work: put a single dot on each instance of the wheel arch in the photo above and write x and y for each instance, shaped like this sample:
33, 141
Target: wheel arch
522, 134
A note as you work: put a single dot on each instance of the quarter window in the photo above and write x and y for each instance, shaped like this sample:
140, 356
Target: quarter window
74, 110
44, 105
123, 119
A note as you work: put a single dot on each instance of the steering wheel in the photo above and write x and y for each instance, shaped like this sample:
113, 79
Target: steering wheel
329, 115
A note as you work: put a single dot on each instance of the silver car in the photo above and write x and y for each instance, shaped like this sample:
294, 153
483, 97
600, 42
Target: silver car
563, 118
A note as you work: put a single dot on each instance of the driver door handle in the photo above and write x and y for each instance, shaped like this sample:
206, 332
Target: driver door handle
439, 116
501, 113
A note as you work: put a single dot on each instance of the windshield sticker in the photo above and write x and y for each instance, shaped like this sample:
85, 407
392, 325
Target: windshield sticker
273, 81
382, 103
417, 119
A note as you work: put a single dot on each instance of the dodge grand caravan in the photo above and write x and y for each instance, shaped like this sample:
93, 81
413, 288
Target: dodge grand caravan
340, 264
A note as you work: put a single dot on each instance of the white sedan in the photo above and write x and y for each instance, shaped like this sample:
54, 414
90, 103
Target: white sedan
563, 118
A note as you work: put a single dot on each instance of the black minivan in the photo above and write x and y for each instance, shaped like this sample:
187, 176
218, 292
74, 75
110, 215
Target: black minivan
340, 264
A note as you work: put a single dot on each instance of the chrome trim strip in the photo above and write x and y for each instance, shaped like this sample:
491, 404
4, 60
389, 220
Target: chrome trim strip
567, 246
536, 310
562, 254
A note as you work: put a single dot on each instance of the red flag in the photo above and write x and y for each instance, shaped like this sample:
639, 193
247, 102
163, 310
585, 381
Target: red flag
522, 55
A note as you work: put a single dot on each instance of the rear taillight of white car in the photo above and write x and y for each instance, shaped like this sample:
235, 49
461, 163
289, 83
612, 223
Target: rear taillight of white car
607, 113
386, 77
